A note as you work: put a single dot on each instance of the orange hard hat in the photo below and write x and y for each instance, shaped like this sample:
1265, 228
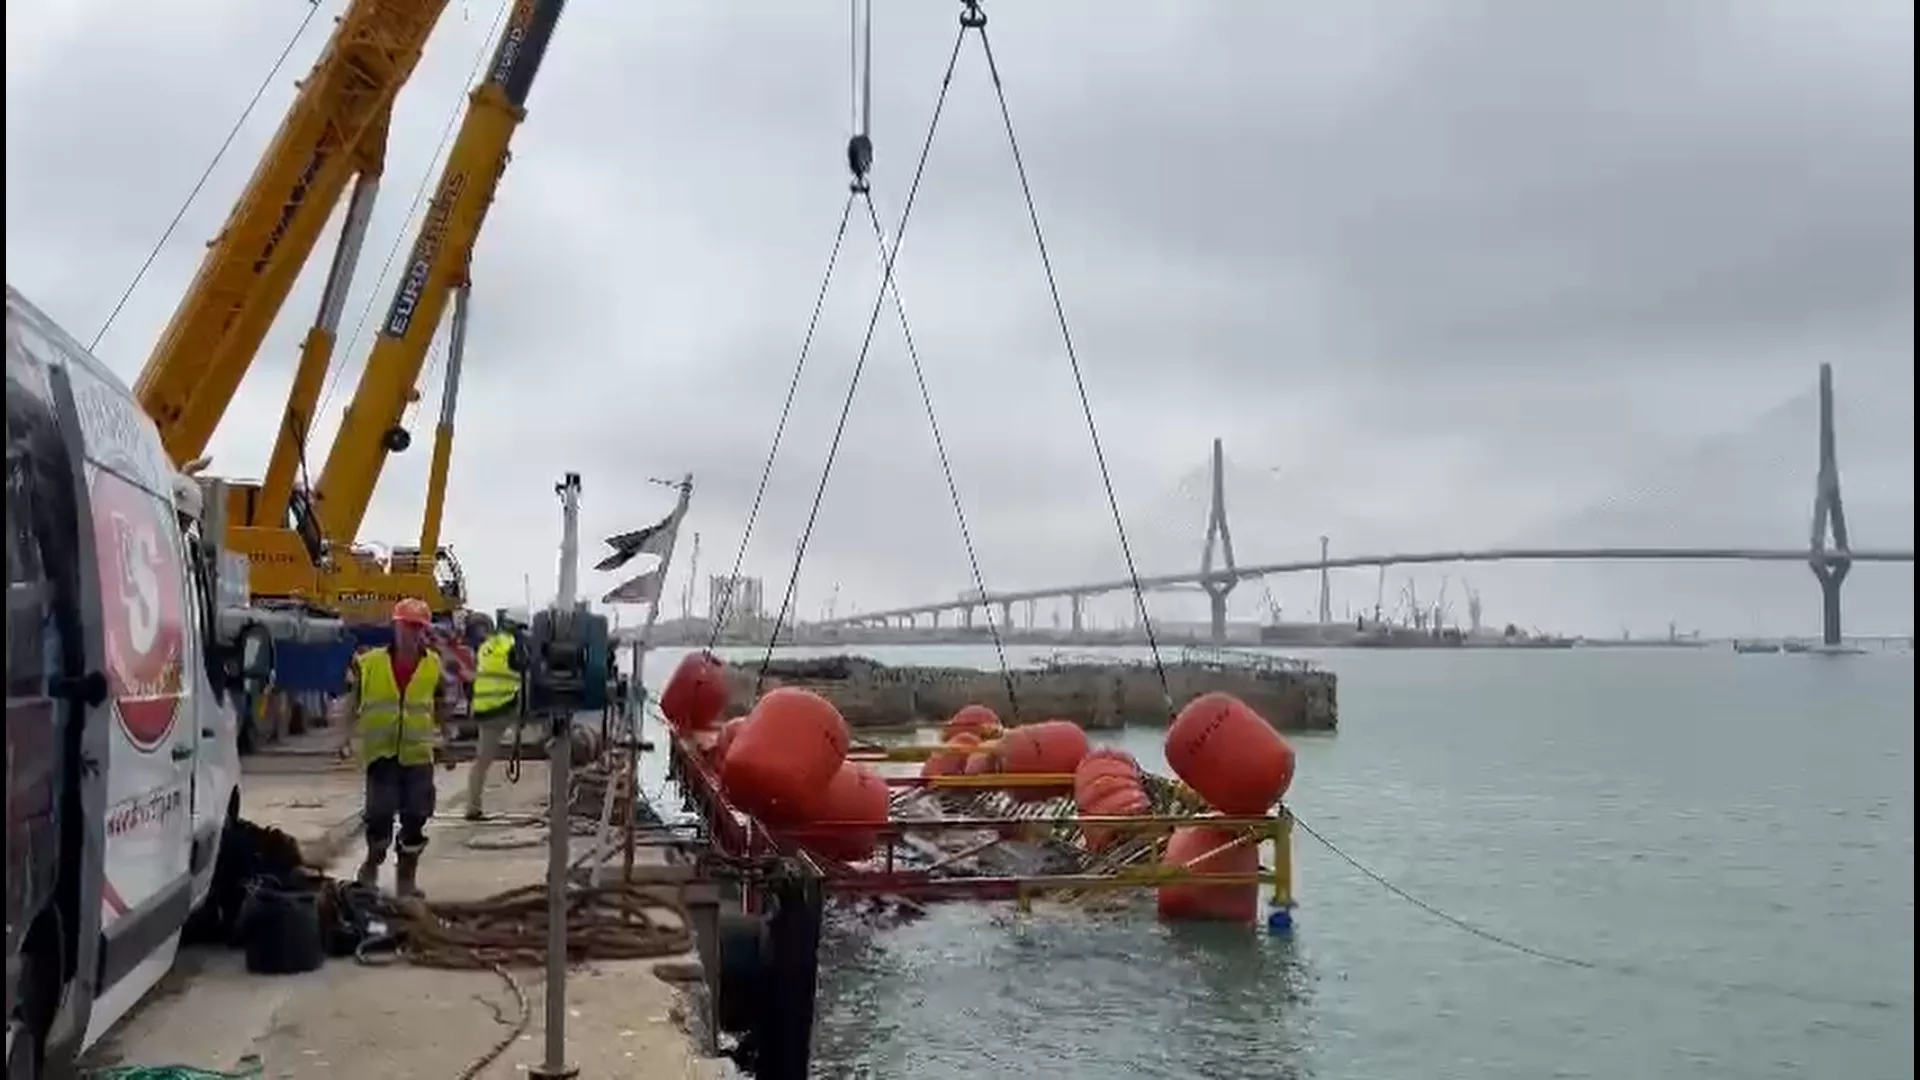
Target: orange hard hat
412, 612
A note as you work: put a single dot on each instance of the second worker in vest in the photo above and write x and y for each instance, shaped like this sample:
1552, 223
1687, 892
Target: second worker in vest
396, 698
499, 660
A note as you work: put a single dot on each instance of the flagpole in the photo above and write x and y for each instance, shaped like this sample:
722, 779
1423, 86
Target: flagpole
636, 688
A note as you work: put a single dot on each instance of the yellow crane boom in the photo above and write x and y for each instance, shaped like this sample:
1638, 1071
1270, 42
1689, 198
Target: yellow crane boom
436, 269
334, 130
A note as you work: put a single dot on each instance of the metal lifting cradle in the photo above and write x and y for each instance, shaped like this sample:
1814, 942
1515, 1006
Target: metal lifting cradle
1018, 833
967, 838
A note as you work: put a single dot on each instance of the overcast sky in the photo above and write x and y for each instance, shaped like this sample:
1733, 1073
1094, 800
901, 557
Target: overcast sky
1439, 273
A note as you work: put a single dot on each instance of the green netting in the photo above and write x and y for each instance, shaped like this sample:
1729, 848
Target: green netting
250, 1069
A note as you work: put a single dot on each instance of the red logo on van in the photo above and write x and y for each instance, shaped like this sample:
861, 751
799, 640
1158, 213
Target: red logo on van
140, 601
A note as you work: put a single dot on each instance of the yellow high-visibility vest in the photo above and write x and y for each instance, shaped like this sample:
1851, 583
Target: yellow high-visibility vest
395, 723
495, 683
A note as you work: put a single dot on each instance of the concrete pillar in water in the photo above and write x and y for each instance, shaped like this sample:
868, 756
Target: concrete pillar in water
1217, 587
1830, 566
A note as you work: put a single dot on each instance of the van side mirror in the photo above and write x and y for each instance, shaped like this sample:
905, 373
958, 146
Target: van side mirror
250, 660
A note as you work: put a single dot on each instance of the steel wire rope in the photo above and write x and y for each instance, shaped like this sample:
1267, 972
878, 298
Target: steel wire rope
1569, 960
206, 174
419, 195
946, 467
866, 349
780, 429
973, 18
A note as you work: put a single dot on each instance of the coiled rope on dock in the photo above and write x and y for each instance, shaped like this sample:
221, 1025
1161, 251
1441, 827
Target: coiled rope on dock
616, 921
621, 920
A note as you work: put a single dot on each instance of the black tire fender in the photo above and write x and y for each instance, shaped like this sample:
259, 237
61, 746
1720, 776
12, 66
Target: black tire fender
743, 955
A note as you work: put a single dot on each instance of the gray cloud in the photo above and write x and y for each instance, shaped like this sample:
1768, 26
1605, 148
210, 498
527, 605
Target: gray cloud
1437, 273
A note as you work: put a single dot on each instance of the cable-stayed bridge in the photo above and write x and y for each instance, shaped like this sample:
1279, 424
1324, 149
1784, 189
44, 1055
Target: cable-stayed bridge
1829, 551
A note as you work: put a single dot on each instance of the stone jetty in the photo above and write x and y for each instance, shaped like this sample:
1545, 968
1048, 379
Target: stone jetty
1097, 693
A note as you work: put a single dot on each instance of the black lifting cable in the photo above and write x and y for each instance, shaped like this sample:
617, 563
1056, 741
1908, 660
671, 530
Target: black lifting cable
971, 17
205, 175
780, 429
866, 349
946, 467
1758, 989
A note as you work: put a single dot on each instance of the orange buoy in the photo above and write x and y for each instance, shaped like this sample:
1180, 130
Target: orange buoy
981, 762
856, 794
980, 721
696, 692
1052, 746
1114, 796
783, 757
724, 738
1102, 767
1229, 754
952, 760
1197, 848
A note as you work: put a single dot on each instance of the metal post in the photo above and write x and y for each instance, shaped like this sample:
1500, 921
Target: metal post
559, 757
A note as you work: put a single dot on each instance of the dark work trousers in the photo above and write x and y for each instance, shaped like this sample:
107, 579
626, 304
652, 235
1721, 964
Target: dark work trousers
402, 791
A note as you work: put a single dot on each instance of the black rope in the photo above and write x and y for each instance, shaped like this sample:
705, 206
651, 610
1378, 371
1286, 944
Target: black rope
779, 431
1585, 964
946, 467
206, 174
972, 17
860, 365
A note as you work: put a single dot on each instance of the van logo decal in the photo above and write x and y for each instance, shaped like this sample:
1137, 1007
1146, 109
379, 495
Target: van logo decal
141, 606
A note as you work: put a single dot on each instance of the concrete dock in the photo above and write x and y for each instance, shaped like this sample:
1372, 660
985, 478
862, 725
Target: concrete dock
399, 1021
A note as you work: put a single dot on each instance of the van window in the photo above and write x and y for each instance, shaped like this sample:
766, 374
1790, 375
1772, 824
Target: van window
32, 633
203, 614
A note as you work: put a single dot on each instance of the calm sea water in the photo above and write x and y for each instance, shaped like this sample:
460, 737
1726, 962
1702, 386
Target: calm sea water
1734, 831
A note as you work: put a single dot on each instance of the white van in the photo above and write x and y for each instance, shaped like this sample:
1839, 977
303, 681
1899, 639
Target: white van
121, 754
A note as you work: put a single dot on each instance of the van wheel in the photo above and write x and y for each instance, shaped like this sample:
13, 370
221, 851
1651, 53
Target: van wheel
26, 1028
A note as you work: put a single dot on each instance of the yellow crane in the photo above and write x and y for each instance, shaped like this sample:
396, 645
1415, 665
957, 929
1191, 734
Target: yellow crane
435, 274
300, 542
334, 131
334, 134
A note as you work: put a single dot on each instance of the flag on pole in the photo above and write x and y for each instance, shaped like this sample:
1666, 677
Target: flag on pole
652, 540
644, 589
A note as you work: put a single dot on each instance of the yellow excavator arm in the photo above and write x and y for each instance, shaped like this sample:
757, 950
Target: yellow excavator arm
335, 130
436, 269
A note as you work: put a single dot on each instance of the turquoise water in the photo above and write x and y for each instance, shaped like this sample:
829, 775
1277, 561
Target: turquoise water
1736, 832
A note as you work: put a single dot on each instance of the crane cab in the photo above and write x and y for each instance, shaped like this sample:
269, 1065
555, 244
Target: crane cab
121, 741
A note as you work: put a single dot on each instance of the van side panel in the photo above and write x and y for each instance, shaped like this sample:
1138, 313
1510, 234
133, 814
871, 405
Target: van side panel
146, 733
143, 594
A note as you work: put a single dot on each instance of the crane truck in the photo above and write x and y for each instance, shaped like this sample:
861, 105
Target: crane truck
127, 659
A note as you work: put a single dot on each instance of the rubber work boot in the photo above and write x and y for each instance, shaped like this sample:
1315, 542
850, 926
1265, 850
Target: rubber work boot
406, 871
369, 874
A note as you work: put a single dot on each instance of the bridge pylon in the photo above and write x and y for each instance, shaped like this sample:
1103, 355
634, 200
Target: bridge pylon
1218, 584
1830, 565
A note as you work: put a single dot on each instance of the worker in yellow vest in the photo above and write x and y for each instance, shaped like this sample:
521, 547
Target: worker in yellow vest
499, 659
395, 695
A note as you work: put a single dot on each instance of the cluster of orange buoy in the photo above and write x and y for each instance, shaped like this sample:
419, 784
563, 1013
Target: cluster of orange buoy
785, 763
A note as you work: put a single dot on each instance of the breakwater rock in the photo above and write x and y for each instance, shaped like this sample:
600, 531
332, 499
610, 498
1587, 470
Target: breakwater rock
1096, 693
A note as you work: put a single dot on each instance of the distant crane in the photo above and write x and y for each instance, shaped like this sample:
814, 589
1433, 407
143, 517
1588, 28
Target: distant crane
1473, 609
1273, 605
